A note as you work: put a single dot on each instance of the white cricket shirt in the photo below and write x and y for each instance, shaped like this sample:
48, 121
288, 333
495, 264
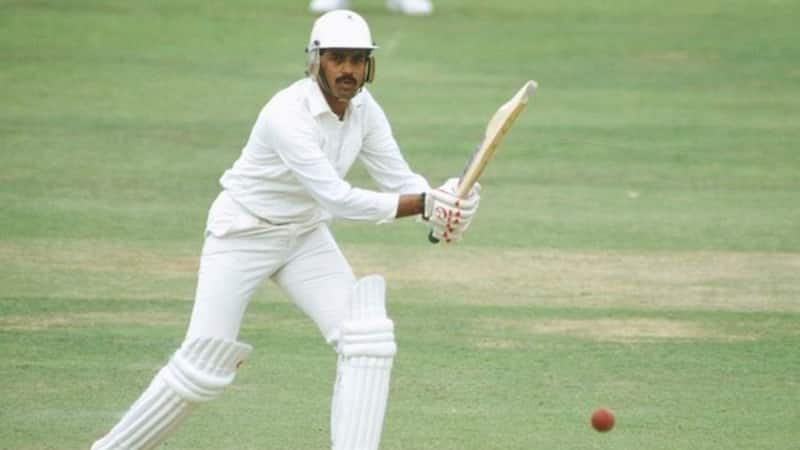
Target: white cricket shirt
293, 166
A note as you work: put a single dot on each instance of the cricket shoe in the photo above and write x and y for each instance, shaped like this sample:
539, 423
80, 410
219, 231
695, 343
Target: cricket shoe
323, 6
411, 7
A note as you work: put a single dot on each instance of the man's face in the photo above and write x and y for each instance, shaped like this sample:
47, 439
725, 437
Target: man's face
344, 70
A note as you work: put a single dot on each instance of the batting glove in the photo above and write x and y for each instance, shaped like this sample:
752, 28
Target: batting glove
448, 215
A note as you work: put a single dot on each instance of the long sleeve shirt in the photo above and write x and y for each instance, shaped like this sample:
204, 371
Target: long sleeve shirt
293, 166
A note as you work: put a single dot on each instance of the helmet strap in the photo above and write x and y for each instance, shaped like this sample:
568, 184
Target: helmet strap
369, 71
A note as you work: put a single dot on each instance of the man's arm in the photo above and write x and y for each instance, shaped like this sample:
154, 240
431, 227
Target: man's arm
410, 205
382, 158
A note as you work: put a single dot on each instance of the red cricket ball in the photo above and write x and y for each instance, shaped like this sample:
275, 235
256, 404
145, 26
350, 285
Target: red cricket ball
602, 420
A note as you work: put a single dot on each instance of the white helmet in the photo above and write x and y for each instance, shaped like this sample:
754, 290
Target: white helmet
339, 28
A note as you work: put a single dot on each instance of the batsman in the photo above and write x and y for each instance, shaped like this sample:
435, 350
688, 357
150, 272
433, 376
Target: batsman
271, 220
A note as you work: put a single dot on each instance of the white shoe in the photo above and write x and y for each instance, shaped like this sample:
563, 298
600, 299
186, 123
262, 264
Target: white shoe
323, 6
411, 7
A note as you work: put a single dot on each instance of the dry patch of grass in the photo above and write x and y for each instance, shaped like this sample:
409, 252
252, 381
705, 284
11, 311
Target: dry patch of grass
631, 330
700, 280
697, 280
96, 270
486, 343
70, 320
98, 257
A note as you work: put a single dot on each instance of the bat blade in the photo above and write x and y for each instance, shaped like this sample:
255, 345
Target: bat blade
496, 129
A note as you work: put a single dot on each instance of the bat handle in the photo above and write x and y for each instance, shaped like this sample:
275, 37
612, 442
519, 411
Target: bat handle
431, 238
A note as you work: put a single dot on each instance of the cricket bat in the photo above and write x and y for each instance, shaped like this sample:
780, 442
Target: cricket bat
496, 129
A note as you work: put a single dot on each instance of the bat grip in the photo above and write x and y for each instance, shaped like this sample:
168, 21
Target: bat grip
431, 238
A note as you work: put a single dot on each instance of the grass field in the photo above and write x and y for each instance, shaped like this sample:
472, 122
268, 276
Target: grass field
638, 244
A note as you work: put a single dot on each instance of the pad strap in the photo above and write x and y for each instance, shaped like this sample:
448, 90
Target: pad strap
373, 337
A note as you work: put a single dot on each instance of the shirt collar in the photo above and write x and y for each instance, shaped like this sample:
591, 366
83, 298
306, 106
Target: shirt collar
318, 104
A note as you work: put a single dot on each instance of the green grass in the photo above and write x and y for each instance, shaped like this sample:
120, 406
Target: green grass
637, 245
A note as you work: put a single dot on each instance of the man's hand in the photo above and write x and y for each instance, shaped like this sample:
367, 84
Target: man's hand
448, 215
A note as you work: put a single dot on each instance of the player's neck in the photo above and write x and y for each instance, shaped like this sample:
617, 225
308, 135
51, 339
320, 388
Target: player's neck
337, 105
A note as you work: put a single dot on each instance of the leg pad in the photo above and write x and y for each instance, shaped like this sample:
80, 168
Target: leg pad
366, 351
197, 372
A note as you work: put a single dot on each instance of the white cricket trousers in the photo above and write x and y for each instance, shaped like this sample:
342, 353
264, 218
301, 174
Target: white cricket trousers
241, 250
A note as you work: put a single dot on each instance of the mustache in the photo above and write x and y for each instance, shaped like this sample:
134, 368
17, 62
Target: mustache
346, 78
